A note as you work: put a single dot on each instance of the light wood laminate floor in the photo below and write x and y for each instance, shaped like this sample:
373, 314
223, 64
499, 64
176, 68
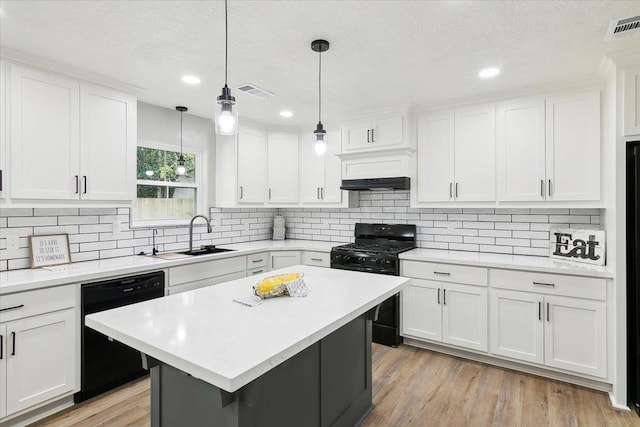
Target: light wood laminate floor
415, 387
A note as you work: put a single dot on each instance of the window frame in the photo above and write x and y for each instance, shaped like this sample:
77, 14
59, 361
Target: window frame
198, 184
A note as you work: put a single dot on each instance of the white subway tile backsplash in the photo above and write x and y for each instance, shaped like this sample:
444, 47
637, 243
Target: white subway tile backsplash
496, 230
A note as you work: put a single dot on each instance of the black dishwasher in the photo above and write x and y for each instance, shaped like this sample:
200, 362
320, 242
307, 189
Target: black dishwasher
106, 363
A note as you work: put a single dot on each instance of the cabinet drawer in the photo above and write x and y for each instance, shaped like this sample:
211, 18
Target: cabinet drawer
206, 270
444, 272
319, 259
255, 271
204, 283
256, 260
25, 304
551, 284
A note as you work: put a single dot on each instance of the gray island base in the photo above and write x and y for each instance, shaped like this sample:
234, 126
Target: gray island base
326, 384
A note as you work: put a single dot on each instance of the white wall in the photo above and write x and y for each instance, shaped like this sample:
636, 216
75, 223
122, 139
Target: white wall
162, 125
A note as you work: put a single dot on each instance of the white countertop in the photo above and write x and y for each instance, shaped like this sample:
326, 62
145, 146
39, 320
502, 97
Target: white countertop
83, 272
514, 262
204, 333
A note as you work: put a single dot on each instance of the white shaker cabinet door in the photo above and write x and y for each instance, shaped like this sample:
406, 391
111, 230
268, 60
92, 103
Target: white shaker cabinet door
576, 335
422, 310
474, 155
45, 141
3, 138
108, 150
357, 136
632, 101
284, 259
282, 168
435, 158
312, 169
386, 131
41, 362
3, 370
520, 133
252, 151
331, 192
573, 147
464, 316
517, 326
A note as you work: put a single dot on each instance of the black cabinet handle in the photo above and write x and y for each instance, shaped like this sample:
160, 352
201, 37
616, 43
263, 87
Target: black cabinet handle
548, 312
444, 297
257, 260
372, 138
539, 310
544, 284
456, 189
368, 130
12, 308
77, 184
257, 272
322, 193
450, 190
1, 347
13, 343
440, 273
542, 188
241, 192
84, 179
316, 259
549, 188
0, 179
438, 295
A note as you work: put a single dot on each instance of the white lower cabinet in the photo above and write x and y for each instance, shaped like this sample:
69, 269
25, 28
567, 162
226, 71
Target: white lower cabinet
40, 359
38, 332
575, 335
451, 313
559, 332
284, 259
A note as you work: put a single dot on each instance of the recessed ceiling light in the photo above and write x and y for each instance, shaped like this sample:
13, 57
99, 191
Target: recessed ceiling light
286, 113
191, 80
487, 73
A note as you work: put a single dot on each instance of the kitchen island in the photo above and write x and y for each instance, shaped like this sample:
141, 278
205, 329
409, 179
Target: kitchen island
289, 361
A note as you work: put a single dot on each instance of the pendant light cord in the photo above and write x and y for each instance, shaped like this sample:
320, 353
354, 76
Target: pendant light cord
181, 133
226, 42
319, 85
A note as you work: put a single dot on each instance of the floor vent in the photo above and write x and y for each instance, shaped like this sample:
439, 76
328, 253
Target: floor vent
623, 27
254, 90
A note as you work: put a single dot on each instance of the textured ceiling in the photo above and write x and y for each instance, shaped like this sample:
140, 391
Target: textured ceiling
383, 53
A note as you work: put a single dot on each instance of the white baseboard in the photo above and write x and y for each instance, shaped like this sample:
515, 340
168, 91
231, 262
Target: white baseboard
617, 405
37, 414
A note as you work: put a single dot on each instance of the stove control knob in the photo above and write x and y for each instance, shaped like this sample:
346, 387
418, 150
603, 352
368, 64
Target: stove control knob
338, 257
361, 260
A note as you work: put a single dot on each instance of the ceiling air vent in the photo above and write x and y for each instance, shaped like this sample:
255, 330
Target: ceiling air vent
254, 90
625, 27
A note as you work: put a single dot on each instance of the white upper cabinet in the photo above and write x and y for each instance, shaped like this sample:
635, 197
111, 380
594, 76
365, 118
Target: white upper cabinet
435, 158
282, 168
45, 137
3, 131
520, 134
70, 140
456, 156
474, 155
632, 101
573, 147
108, 150
374, 134
321, 175
252, 149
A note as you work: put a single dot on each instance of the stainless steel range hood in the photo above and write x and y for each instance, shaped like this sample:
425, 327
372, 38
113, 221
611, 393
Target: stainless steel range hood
397, 183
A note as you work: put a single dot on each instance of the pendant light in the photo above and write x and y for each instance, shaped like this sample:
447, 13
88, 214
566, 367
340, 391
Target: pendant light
181, 169
320, 145
226, 117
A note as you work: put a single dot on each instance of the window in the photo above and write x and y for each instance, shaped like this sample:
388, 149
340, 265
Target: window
162, 195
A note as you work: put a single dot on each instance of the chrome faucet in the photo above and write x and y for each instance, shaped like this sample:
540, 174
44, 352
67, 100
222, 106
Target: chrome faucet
191, 229
154, 250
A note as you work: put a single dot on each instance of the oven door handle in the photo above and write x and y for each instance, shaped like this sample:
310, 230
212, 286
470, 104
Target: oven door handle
377, 313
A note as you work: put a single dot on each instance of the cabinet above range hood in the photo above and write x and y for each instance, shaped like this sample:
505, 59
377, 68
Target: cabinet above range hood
397, 183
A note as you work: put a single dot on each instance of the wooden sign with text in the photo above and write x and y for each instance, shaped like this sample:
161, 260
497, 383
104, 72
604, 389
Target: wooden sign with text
52, 249
586, 246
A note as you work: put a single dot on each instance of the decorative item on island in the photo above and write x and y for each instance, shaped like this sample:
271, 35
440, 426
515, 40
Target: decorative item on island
588, 246
283, 284
47, 250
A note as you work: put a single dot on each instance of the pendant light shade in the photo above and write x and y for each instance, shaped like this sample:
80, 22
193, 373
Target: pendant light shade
320, 135
181, 169
226, 115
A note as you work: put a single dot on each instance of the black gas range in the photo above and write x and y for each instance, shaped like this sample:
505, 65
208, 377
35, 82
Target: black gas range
376, 250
